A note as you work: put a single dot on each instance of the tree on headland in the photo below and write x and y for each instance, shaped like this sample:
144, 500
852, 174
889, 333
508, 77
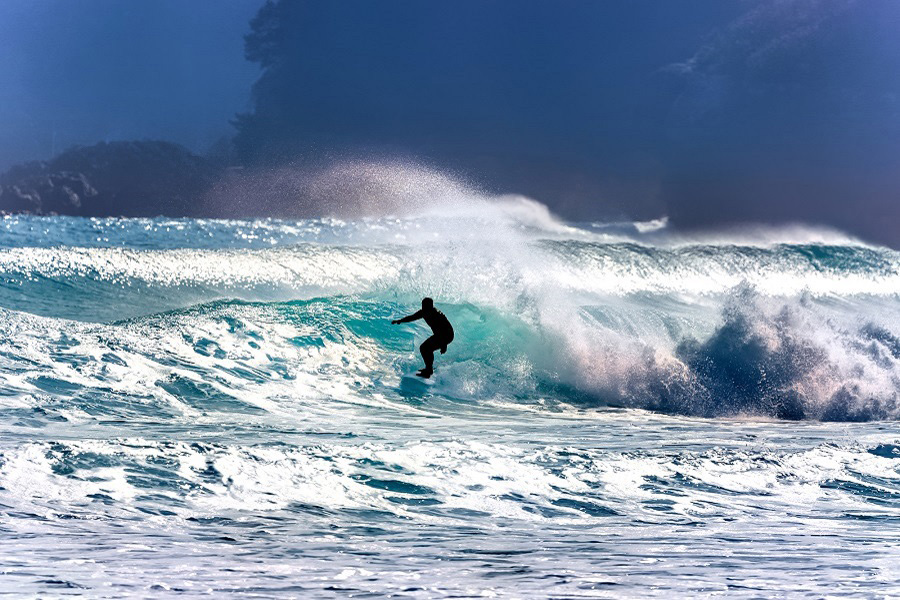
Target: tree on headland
270, 43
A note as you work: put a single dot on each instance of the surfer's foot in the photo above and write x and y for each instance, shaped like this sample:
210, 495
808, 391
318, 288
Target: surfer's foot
425, 373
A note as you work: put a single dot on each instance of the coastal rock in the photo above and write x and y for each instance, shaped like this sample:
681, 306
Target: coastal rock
134, 179
53, 193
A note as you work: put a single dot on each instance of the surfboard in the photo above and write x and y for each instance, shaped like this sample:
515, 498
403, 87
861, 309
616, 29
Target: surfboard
415, 388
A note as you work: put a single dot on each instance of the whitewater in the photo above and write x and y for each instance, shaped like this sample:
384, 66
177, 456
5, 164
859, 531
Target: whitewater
208, 407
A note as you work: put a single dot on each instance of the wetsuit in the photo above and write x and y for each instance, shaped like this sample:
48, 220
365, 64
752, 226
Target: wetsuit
440, 327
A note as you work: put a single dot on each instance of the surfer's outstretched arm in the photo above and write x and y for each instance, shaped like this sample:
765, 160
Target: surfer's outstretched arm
413, 317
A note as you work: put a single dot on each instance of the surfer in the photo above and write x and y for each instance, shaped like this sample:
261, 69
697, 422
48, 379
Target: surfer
441, 329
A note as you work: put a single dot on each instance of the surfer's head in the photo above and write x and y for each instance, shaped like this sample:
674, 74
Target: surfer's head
427, 303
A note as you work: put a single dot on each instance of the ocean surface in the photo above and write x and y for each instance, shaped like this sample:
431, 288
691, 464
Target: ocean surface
213, 407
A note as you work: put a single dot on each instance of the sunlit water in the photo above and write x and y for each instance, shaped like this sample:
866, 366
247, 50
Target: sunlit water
213, 407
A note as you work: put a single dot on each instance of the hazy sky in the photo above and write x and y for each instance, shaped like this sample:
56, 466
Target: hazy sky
711, 111
85, 71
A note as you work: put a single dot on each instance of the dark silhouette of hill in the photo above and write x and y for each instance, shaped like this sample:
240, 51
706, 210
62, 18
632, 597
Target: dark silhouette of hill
129, 179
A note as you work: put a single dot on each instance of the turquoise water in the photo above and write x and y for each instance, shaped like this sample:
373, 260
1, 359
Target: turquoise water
223, 406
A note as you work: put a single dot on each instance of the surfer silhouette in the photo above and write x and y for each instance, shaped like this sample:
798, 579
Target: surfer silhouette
441, 329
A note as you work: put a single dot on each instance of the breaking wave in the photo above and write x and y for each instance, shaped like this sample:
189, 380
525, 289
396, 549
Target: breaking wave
545, 311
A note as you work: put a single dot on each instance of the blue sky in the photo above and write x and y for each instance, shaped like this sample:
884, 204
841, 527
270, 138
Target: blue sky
92, 70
